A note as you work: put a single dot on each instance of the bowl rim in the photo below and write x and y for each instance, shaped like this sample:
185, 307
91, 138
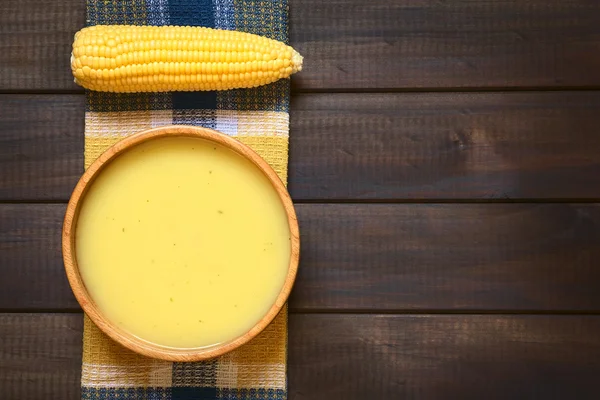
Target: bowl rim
87, 303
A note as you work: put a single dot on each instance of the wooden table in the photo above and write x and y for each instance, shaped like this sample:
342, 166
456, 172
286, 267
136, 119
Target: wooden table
445, 163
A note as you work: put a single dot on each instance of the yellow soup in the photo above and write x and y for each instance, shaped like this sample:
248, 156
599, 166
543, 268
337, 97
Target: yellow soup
183, 242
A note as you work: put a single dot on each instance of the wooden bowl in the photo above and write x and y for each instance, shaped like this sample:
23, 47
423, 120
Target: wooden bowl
87, 303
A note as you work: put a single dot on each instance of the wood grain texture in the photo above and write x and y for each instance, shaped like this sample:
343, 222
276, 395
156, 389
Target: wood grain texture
448, 257
384, 44
31, 264
354, 44
487, 146
443, 357
476, 257
35, 43
41, 146
40, 356
358, 357
445, 146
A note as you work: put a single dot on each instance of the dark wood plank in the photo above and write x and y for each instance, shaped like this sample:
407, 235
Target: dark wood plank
359, 357
35, 43
445, 146
443, 357
347, 146
41, 146
437, 43
449, 257
376, 257
354, 44
40, 356
31, 260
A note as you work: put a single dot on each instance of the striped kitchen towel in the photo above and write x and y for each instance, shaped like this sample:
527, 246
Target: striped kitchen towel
259, 118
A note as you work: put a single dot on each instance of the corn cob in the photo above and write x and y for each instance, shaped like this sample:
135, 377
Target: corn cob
128, 59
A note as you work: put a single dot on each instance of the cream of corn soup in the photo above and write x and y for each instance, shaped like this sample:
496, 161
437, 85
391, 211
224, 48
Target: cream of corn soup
183, 242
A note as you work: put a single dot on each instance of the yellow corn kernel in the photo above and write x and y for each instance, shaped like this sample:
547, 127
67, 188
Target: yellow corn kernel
78, 74
123, 58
